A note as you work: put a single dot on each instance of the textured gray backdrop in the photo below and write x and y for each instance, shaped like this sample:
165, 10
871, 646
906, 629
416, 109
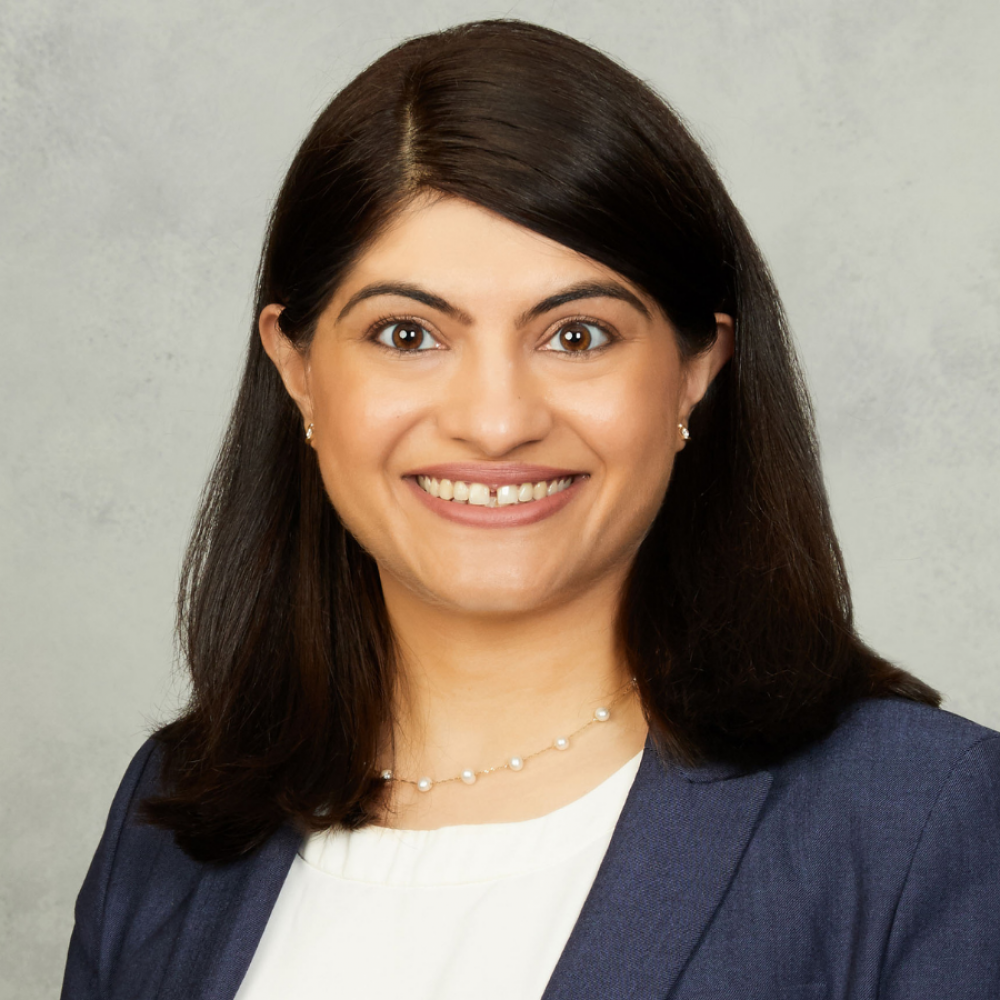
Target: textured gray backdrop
140, 146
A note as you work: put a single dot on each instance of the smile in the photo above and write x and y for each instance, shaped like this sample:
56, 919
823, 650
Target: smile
481, 495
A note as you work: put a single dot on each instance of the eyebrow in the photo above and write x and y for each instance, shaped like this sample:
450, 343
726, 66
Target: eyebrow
584, 290
581, 290
407, 292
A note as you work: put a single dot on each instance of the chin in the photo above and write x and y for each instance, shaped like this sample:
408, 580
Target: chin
485, 595
493, 602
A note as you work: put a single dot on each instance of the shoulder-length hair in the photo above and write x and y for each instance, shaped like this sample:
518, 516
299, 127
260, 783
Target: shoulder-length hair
736, 619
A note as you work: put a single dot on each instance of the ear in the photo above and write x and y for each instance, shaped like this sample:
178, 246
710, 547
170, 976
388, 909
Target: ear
700, 370
292, 364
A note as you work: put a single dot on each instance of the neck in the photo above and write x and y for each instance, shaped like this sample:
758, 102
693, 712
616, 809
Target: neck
473, 689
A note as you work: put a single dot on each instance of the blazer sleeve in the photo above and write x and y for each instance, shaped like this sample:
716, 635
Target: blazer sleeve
82, 978
945, 937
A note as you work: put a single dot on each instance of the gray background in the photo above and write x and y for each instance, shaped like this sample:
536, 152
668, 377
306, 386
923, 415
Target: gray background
140, 146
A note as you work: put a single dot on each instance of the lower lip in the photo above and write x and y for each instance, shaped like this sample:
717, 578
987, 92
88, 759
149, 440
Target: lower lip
513, 515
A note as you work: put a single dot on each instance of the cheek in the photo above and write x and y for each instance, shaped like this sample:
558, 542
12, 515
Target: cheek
630, 422
359, 418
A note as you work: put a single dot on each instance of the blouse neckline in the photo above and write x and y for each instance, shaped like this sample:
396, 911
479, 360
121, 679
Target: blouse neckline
472, 853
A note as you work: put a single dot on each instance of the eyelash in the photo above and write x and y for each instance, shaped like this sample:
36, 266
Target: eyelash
376, 329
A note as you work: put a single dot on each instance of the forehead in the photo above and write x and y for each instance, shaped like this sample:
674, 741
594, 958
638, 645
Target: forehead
464, 251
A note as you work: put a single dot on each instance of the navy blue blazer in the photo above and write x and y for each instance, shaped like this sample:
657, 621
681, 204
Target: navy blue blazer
867, 866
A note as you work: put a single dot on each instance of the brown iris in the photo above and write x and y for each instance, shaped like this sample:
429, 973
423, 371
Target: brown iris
575, 337
407, 336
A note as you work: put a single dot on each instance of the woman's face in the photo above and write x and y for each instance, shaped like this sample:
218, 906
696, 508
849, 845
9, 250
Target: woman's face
535, 392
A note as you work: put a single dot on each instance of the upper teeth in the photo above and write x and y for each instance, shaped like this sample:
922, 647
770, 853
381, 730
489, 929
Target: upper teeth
482, 496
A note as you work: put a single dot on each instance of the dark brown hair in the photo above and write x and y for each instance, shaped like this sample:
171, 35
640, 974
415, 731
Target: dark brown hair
737, 616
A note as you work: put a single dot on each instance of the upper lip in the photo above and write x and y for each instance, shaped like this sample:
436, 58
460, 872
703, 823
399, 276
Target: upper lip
494, 474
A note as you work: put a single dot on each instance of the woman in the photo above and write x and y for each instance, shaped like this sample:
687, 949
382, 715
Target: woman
480, 706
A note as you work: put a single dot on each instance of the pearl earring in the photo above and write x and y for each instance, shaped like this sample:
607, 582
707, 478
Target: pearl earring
685, 433
309, 433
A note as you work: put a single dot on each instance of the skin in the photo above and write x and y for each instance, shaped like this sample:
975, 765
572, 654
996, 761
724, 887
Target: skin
506, 634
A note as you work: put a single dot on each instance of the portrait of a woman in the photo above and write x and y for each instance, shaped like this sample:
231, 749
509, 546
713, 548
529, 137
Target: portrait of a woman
520, 640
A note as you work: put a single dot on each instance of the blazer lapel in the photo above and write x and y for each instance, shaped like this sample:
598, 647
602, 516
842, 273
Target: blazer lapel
676, 848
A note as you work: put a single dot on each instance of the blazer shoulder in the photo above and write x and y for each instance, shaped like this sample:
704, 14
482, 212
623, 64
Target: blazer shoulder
140, 779
898, 729
945, 935
147, 907
889, 751
88, 943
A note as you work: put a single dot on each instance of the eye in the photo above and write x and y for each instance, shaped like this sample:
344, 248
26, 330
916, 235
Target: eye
405, 335
578, 337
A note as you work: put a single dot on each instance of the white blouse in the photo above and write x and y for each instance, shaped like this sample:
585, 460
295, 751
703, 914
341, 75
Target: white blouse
481, 910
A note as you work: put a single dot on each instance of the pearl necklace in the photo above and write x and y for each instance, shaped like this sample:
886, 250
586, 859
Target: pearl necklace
515, 763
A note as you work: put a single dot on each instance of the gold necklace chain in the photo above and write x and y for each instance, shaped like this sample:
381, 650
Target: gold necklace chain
516, 762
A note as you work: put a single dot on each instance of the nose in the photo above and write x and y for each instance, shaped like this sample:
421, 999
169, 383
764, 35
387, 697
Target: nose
494, 401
